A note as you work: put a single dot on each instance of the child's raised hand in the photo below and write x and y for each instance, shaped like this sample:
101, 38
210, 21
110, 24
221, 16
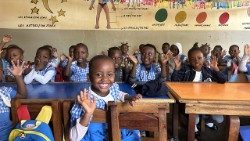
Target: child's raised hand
247, 50
70, 59
214, 63
62, 57
133, 59
177, 62
223, 53
18, 68
164, 58
7, 38
88, 104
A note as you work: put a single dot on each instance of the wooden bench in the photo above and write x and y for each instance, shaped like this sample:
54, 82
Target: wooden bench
146, 114
34, 107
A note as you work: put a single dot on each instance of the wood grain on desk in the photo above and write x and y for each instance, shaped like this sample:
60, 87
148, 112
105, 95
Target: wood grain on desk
210, 91
213, 98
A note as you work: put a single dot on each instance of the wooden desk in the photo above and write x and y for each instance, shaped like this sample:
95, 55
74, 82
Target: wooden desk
231, 99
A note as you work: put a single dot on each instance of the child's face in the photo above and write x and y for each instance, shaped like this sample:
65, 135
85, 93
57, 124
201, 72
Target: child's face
80, 54
174, 50
165, 49
234, 52
43, 57
205, 50
217, 52
148, 56
102, 76
196, 60
124, 49
14, 55
117, 58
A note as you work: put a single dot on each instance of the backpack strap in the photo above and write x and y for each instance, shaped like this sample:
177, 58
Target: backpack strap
18, 132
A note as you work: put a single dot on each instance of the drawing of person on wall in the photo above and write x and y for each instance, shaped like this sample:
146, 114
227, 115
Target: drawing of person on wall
102, 4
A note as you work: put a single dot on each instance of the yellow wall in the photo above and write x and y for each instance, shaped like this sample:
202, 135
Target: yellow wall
97, 41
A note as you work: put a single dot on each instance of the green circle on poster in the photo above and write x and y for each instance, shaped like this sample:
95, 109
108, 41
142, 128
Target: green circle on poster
161, 15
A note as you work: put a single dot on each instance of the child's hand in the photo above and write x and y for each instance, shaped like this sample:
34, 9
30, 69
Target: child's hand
62, 57
88, 104
18, 68
7, 38
164, 58
91, 7
113, 7
177, 62
70, 59
223, 53
247, 50
214, 63
135, 98
54, 52
133, 59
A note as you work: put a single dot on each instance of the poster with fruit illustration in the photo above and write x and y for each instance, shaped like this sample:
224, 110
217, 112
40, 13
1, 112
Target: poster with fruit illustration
125, 14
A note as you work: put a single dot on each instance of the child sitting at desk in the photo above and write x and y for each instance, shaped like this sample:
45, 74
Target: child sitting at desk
195, 71
41, 71
6, 93
121, 72
78, 70
13, 53
102, 90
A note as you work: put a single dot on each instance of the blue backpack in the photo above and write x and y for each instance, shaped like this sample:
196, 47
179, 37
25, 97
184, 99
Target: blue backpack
34, 130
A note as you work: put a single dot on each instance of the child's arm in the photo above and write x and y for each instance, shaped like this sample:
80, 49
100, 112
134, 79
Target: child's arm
67, 71
220, 77
163, 60
245, 59
17, 71
132, 77
5, 40
179, 72
43, 79
78, 131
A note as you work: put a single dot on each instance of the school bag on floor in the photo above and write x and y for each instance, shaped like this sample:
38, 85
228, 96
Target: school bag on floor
34, 130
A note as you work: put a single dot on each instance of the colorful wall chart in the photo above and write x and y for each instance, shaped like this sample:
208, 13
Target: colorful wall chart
125, 15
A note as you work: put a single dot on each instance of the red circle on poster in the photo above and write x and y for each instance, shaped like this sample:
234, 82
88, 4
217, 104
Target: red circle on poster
201, 17
224, 18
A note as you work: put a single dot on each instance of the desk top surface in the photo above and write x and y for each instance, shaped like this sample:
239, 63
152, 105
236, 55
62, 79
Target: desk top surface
210, 91
63, 90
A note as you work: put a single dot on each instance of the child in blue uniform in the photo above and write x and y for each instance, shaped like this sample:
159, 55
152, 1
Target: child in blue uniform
6, 94
102, 90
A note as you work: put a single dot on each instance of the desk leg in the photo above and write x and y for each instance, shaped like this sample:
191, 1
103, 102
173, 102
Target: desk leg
234, 127
176, 120
191, 125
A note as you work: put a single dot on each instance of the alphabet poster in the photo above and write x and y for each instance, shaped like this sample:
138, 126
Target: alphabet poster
125, 14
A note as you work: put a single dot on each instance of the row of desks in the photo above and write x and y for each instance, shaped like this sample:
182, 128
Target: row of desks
230, 99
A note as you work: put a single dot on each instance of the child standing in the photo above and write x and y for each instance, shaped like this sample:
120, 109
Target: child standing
121, 72
102, 90
6, 93
78, 70
13, 53
195, 71
102, 4
41, 71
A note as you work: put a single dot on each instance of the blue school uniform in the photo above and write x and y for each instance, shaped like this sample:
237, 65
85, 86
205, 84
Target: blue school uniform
143, 75
98, 131
5, 124
79, 74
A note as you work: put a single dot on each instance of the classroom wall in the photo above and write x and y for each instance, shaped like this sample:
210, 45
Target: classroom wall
97, 41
